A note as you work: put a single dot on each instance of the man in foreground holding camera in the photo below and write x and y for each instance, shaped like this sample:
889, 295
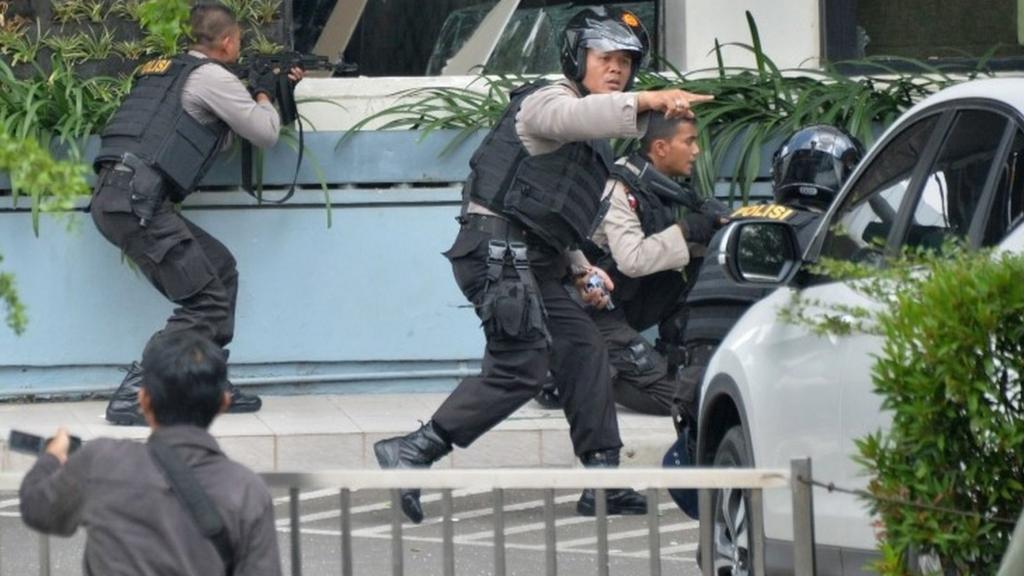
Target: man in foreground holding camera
131, 496
154, 152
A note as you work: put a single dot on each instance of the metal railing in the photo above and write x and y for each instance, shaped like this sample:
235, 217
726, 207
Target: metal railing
546, 480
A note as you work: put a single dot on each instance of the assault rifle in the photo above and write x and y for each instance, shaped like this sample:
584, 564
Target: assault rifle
279, 65
669, 190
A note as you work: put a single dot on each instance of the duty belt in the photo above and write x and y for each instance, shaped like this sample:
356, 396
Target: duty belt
494, 226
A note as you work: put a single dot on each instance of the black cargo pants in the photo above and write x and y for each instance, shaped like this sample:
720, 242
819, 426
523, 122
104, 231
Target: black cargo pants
187, 265
642, 377
640, 374
514, 369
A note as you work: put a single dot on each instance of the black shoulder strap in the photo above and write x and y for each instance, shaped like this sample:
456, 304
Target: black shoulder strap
195, 500
247, 168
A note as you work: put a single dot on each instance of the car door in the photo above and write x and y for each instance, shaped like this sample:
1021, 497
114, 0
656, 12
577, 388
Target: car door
944, 203
1003, 211
797, 394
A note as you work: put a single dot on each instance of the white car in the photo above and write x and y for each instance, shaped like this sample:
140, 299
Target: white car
952, 166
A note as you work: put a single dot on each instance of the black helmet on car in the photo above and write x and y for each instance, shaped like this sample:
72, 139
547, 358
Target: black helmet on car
812, 164
606, 29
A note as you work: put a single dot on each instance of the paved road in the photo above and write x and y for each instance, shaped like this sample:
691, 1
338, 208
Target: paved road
474, 537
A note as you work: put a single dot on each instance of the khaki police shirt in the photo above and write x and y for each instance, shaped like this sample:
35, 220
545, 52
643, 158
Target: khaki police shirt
212, 92
636, 254
556, 114
135, 525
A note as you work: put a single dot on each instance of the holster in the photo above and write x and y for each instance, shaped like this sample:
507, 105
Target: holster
147, 188
511, 308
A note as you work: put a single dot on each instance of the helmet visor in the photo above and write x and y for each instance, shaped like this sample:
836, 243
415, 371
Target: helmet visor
605, 36
814, 168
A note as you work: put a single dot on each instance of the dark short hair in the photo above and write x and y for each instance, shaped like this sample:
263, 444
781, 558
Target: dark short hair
210, 22
185, 375
661, 128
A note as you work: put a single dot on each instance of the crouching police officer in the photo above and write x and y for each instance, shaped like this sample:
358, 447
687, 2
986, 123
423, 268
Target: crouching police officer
808, 170
154, 151
646, 246
532, 196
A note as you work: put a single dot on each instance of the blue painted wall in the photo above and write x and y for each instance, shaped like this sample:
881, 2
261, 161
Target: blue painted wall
368, 302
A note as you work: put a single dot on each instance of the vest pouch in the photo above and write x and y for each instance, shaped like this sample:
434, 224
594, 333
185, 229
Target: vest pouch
130, 127
184, 154
557, 195
523, 194
540, 212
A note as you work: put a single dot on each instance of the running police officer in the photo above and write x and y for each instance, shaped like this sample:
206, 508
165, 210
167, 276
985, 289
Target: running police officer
532, 196
154, 151
645, 246
808, 170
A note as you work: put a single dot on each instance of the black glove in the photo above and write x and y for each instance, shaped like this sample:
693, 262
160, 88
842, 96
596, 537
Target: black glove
263, 82
714, 207
698, 228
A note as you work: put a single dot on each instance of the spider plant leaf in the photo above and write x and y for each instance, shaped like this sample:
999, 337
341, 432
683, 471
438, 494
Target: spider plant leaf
755, 39
719, 60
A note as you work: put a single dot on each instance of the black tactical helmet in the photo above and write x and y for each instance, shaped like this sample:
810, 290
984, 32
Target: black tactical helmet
603, 28
811, 166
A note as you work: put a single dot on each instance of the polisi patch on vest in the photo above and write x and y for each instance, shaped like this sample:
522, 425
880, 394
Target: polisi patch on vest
153, 67
768, 211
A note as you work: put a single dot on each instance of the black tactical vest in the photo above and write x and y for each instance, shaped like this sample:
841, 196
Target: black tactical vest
655, 215
715, 303
555, 195
152, 124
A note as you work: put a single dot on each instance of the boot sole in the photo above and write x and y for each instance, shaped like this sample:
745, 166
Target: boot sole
125, 420
416, 516
233, 409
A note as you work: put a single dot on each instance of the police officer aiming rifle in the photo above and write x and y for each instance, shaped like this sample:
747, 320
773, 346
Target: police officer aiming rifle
154, 151
531, 198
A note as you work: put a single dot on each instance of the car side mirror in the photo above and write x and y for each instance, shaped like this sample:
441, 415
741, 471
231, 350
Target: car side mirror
763, 252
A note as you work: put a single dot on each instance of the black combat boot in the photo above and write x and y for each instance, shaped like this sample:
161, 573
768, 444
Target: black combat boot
418, 449
241, 402
123, 408
620, 500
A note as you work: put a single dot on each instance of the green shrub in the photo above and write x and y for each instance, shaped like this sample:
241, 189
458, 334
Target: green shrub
52, 185
950, 373
14, 310
166, 22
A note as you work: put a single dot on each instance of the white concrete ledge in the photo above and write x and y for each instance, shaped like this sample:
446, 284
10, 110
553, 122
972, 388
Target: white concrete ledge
331, 432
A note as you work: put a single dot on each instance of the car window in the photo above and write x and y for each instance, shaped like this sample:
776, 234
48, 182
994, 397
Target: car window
1008, 204
954, 184
861, 225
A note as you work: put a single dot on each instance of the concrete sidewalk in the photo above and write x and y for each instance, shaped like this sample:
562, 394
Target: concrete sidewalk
323, 432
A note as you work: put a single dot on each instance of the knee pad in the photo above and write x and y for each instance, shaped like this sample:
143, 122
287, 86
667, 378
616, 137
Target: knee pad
637, 358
